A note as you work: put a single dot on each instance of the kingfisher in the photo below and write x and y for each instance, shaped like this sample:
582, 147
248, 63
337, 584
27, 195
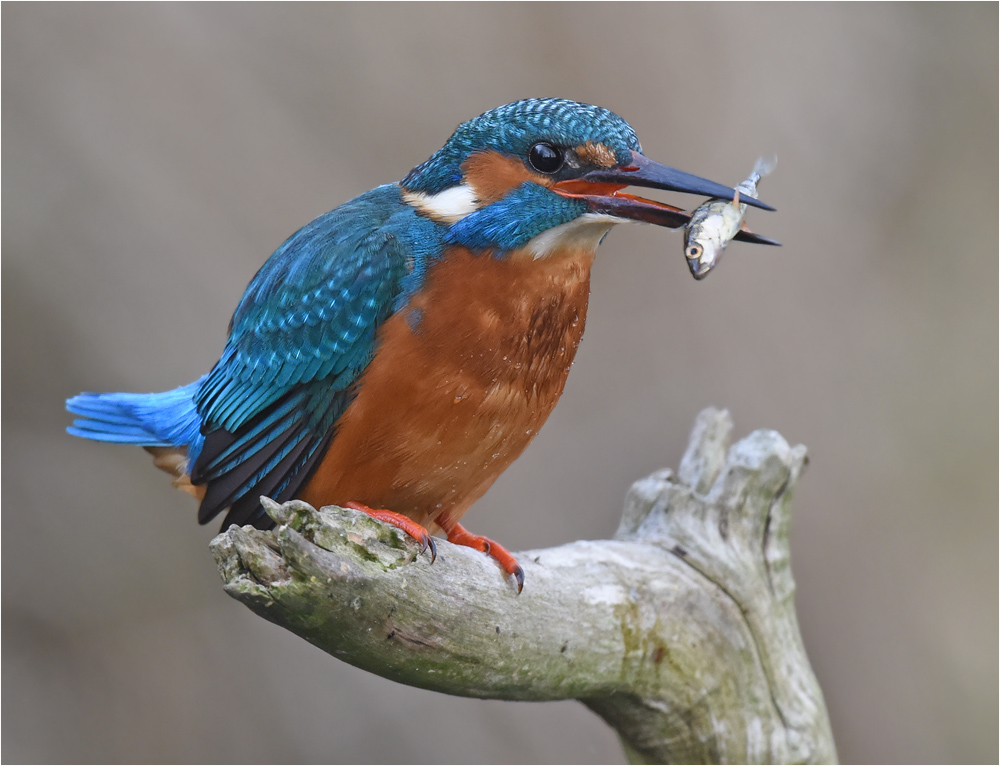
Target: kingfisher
398, 353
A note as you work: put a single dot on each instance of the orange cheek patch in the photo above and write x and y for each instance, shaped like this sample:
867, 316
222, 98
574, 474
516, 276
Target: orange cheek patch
493, 175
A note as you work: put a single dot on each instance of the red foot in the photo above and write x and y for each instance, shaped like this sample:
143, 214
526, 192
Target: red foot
398, 520
459, 535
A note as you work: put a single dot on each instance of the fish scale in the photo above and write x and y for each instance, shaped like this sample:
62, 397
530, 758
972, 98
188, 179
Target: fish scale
716, 222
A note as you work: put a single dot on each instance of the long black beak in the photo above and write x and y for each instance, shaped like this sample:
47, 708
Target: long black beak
643, 171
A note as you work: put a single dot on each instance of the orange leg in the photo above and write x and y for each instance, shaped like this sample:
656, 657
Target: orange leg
459, 535
398, 520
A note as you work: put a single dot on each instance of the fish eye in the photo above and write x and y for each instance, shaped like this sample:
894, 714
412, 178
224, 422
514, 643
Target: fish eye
545, 158
694, 251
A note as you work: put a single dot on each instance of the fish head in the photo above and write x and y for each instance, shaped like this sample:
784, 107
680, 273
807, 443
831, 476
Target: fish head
701, 259
703, 248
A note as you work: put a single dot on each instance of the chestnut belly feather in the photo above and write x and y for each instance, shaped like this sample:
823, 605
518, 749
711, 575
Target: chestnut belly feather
464, 377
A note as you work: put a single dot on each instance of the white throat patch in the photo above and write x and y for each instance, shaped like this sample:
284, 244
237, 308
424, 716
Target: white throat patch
583, 233
449, 206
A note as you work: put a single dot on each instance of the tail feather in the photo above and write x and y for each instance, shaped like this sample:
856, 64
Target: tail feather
104, 432
273, 454
164, 419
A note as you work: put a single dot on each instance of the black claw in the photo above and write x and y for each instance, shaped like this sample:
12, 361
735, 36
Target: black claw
486, 550
434, 550
519, 576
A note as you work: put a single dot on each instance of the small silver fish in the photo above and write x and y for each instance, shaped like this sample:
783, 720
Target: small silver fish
717, 221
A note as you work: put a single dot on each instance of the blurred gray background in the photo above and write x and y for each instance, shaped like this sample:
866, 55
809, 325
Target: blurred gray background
155, 155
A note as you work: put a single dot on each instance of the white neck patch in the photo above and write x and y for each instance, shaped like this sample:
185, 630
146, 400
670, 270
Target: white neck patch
449, 206
583, 233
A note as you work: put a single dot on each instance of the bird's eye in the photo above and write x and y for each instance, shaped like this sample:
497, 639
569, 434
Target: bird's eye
694, 251
545, 158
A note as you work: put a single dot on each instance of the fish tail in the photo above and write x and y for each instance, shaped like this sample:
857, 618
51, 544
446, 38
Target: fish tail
763, 167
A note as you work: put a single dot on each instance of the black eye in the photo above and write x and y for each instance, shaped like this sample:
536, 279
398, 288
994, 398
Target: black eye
545, 158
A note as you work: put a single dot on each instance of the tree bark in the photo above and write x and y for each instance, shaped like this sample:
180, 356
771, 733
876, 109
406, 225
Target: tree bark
680, 632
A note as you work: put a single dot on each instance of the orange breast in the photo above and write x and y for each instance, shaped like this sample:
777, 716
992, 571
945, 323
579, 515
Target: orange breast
463, 378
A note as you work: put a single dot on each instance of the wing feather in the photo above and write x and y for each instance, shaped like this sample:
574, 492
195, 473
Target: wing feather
299, 339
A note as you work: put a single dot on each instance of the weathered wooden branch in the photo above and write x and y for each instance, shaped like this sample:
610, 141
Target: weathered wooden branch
681, 632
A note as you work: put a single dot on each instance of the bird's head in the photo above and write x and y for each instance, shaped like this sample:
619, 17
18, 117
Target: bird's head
539, 174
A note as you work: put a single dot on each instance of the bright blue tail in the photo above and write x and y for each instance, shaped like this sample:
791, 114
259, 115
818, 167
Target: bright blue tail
167, 419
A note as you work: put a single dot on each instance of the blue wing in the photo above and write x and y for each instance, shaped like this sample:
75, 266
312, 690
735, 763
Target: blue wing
299, 339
